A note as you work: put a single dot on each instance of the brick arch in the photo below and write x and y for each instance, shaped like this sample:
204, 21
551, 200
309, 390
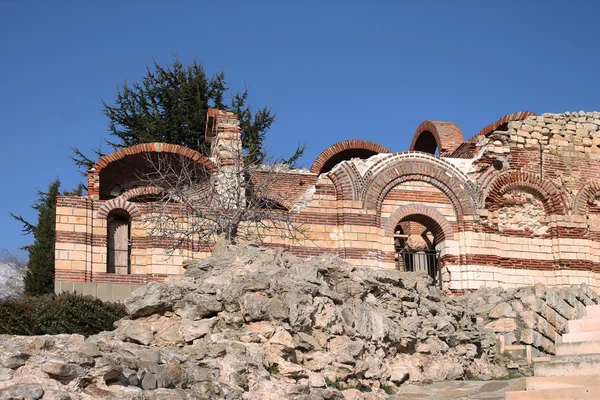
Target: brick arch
583, 197
426, 216
346, 147
346, 181
518, 116
119, 203
405, 167
553, 199
283, 202
154, 148
140, 191
446, 136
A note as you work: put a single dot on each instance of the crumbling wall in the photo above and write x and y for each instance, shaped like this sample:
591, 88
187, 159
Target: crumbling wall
533, 315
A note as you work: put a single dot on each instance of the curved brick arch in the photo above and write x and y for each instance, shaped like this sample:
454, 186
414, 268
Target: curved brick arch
426, 216
446, 136
283, 202
154, 148
119, 203
405, 167
345, 146
554, 202
140, 191
584, 196
346, 181
518, 116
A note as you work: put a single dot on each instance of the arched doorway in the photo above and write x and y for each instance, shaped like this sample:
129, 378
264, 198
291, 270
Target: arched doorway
415, 249
420, 235
118, 242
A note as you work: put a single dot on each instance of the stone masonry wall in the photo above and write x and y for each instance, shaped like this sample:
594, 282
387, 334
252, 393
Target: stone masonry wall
524, 210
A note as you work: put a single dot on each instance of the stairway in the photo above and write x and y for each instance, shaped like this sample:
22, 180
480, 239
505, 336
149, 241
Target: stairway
574, 372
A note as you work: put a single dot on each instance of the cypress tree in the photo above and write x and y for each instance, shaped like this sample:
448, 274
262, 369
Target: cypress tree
170, 103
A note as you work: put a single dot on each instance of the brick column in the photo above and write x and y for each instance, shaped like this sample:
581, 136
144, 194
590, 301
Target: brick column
223, 133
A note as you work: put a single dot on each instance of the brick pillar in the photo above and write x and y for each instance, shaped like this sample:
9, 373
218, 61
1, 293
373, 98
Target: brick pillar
93, 184
223, 134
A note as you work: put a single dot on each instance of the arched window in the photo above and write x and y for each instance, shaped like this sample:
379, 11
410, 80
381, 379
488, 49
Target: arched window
118, 242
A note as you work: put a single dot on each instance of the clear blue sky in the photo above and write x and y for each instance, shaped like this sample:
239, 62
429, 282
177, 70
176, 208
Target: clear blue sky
332, 70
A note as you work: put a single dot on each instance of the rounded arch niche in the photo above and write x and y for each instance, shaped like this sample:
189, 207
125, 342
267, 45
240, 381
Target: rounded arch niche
345, 150
433, 136
419, 233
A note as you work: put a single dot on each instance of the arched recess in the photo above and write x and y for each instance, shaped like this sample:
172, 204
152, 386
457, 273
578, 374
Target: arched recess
405, 167
426, 216
345, 150
115, 172
119, 203
437, 135
585, 197
118, 239
418, 252
274, 203
552, 198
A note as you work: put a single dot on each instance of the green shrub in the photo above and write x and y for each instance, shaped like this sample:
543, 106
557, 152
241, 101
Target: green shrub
334, 384
273, 369
55, 314
388, 389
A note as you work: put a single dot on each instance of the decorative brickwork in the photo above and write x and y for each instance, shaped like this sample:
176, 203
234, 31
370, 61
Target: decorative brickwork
406, 167
552, 198
426, 216
119, 203
585, 199
517, 204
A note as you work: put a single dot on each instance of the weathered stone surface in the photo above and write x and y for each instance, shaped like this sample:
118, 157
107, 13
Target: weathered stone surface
261, 324
192, 330
500, 310
136, 331
148, 299
62, 372
22, 392
502, 325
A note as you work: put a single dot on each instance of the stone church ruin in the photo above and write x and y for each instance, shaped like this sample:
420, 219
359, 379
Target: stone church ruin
515, 205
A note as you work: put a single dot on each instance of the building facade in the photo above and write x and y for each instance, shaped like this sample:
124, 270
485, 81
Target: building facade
517, 204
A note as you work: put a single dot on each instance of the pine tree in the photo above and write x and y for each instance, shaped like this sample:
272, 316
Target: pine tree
39, 277
170, 103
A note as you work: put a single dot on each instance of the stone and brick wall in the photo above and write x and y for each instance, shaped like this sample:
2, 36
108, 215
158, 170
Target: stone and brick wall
517, 204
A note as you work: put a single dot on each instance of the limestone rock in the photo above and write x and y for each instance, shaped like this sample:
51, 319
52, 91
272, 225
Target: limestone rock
255, 323
500, 310
63, 372
502, 325
22, 391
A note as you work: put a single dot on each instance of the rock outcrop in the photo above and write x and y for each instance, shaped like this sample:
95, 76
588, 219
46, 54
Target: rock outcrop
252, 323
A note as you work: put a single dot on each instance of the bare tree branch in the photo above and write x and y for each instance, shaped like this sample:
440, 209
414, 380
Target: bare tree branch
195, 208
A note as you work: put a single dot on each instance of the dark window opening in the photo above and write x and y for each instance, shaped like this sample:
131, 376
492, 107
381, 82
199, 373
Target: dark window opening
426, 143
118, 242
346, 155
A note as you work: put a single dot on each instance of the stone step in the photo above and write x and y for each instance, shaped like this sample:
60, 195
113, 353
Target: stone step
592, 311
577, 393
572, 348
581, 337
559, 382
569, 365
584, 325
